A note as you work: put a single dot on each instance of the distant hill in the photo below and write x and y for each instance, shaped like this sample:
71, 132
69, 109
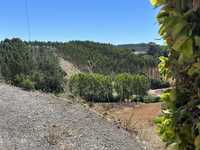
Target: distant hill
138, 48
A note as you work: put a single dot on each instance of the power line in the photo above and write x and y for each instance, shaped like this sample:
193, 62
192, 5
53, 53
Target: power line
28, 20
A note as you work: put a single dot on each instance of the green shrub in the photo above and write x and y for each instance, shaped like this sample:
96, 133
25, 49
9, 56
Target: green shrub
92, 87
127, 85
27, 84
24, 82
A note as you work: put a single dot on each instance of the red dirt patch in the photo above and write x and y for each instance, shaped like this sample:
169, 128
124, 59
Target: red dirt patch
135, 118
143, 114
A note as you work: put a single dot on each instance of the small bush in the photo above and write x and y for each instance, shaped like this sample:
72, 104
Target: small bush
92, 87
24, 82
27, 84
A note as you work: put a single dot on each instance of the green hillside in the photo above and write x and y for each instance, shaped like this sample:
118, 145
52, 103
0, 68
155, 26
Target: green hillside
102, 58
36, 64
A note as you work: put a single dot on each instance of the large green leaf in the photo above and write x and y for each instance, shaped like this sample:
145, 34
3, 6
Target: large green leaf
187, 48
178, 28
179, 42
186, 51
162, 30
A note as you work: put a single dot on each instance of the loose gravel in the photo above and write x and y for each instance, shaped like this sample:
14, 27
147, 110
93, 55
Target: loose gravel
37, 121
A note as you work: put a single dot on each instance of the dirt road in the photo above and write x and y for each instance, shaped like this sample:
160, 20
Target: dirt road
36, 121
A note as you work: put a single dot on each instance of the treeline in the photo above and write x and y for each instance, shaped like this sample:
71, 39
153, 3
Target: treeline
106, 58
30, 67
35, 65
104, 88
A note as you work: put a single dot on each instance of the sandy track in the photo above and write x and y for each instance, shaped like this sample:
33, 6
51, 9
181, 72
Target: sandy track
36, 121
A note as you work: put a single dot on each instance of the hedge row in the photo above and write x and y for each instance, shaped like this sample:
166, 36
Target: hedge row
100, 88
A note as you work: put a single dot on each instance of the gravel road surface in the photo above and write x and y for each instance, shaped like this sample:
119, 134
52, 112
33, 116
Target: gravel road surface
37, 121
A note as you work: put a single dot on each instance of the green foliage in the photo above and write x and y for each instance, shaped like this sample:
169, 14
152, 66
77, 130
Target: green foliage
24, 82
165, 128
99, 88
141, 84
163, 67
103, 58
124, 85
92, 87
14, 58
30, 67
180, 26
127, 85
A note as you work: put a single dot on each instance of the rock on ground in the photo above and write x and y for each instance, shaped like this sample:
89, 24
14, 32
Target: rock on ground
37, 121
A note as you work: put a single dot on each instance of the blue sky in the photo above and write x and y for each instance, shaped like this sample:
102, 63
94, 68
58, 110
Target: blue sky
110, 21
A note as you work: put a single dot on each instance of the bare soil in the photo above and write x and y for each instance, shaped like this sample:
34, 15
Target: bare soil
68, 67
137, 119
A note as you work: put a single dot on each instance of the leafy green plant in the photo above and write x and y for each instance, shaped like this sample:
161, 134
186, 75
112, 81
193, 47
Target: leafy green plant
180, 27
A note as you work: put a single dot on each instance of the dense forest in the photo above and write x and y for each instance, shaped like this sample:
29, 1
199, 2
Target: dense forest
30, 67
35, 65
107, 58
